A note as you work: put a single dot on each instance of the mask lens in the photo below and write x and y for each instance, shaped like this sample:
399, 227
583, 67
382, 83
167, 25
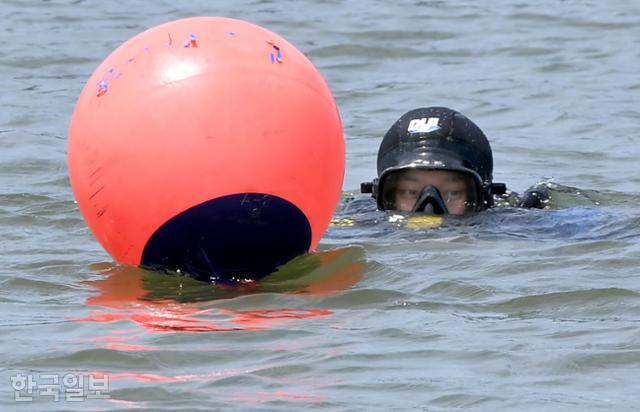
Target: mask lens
403, 189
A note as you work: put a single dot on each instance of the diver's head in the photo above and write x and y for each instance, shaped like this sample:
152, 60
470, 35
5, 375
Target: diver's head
443, 160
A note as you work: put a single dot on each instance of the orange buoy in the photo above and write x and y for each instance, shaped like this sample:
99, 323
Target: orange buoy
209, 145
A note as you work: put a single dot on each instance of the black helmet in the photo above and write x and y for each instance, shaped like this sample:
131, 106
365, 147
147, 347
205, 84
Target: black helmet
435, 138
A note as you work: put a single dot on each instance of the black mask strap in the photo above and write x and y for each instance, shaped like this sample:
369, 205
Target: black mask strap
430, 201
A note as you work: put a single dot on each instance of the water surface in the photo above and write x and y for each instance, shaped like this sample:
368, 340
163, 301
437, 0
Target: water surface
513, 309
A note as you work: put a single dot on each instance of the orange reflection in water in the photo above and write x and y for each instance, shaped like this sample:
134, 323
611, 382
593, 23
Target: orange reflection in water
302, 385
171, 316
157, 303
125, 293
278, 395
153, 377
181, 320
234, 396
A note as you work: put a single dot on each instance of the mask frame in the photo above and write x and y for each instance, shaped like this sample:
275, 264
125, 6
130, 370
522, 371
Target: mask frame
484, 190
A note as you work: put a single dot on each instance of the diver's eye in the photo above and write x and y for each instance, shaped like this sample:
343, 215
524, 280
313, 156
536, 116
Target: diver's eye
455, 194
407, 193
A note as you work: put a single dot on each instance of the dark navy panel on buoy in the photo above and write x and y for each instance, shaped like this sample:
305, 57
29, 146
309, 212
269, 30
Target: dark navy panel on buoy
237, 236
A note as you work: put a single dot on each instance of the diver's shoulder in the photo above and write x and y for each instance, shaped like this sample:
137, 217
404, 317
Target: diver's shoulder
537, 196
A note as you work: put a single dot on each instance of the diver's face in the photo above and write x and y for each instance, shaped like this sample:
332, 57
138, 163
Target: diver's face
454, 188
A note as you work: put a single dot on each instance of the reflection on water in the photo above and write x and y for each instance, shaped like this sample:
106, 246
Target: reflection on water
170, 303
163, 302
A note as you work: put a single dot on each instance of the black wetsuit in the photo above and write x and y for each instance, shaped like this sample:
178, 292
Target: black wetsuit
536, 197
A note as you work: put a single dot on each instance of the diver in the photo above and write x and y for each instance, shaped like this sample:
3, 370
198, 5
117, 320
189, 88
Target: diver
436, 161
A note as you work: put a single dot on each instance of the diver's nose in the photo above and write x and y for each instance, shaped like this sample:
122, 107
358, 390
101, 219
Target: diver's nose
431, 209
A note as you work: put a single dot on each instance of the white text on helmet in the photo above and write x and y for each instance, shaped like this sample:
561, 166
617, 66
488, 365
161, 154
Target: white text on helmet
424, 125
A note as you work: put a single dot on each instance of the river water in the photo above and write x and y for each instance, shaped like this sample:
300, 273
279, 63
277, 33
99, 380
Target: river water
512, 309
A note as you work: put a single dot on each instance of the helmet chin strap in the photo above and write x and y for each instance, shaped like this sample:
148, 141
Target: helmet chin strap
430, 201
